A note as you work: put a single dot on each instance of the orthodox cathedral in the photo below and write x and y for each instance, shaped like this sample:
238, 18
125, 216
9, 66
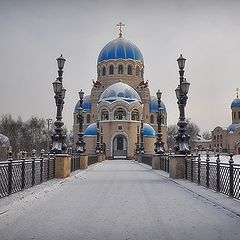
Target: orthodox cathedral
228, 140
120, 104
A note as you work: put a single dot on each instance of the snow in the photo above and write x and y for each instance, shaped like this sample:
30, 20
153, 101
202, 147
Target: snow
119, 199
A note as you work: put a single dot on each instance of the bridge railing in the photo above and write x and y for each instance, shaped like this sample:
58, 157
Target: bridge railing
16, 175
210, 172
164, 162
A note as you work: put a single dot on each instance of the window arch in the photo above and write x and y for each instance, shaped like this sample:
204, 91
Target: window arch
129, 70
88, 118
135, 115
103, 71
111, 70
104, 114
152, 118
138, 71
120, 69
120, 114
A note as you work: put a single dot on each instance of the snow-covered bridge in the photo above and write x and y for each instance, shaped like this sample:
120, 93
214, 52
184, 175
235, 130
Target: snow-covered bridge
118, 200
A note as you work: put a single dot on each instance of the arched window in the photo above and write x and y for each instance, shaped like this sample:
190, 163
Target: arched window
138, 71
111, 70
88, 118
103, 71
135, 115
120, 69
152, 119
142, 74
104, 114
120, 114
129, 70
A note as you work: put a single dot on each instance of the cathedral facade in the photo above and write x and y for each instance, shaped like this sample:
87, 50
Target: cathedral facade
120, 104
228, 140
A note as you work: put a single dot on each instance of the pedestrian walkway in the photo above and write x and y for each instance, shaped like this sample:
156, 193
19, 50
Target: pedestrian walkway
118, 200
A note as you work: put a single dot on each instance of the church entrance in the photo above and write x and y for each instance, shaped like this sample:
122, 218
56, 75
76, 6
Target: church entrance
120, 147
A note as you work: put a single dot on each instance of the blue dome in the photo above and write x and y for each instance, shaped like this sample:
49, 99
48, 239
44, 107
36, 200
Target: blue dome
120, 91
86, 104
148, 131
91, 130
232, 128
120, 48
235, 103
154, 105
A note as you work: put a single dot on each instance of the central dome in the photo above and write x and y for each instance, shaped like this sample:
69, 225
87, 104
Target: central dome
120, 91
120, 48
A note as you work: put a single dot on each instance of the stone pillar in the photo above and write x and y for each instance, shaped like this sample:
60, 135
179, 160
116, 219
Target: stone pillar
139, 158
83, 161
100, 156
62, 165
156, 162
177, 166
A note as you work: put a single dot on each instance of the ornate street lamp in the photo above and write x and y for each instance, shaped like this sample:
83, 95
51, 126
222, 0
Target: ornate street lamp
98, 147
141, 149
58, 144
182, 138
159, 144
80, 144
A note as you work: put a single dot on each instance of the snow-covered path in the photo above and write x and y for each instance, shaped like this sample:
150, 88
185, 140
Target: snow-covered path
118, 200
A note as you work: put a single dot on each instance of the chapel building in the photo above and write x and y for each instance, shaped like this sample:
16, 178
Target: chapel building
120, 100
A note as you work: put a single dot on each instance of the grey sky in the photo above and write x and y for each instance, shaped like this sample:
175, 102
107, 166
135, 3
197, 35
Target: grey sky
35, 33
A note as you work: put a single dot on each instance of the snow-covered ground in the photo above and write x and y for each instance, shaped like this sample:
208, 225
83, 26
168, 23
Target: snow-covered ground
119, 200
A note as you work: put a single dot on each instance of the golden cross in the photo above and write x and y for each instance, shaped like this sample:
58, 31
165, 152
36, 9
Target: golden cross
120, 25
237, 91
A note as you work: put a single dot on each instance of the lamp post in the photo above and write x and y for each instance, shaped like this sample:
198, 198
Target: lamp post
80, 144
182, 138
58, 138
49, 121
159, 144
141, 149
98, 147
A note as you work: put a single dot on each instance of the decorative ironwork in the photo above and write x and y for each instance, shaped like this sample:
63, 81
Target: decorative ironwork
221, 177
16, 175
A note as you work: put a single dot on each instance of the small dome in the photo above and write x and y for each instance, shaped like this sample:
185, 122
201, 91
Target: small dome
91, 130
148, 131
154, 105
120, 91
232, 128
86, 104
235, 103
120, 48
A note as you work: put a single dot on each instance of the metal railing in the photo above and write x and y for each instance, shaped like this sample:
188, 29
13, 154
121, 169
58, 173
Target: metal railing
216, 175
16, 175
164, 162
147, 159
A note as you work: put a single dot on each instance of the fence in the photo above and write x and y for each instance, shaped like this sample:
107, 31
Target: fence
164, 162
75, 161
216, 175
16, 175
147, 159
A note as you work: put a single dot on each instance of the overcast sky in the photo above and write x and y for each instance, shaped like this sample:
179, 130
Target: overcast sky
34, 33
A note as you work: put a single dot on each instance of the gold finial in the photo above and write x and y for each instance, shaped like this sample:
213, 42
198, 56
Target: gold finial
237, 91
120, 25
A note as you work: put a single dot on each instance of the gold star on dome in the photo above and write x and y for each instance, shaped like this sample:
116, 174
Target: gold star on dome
120, 25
